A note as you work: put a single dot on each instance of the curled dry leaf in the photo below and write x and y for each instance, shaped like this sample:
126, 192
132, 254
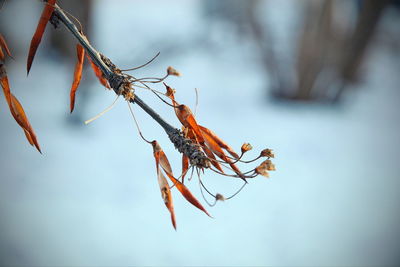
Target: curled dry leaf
163, 183
219, 141
99, 74
216, 149
162, 160
19, 115
208, 140
77, 74
4, 83
166, 196
17, 110
185, 166
187, 119
37, 37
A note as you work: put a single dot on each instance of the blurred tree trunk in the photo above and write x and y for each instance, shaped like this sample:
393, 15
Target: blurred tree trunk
357, 43
327, 57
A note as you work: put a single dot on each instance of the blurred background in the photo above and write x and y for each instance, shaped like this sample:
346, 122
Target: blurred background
316, 81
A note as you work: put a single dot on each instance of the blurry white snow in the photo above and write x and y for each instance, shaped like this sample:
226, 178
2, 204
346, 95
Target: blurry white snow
92, 197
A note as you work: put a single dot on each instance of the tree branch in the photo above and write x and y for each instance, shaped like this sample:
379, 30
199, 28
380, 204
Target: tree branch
118, 82
114, 79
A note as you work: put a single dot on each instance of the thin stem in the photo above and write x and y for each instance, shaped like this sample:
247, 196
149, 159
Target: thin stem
95, 56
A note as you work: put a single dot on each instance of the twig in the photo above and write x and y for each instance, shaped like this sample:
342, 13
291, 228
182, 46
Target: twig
118, 81
114, 79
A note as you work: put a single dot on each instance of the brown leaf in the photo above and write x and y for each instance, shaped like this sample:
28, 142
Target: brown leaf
37, 37
3, 44
77, 75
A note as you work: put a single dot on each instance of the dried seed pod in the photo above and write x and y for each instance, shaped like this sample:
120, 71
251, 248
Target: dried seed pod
246, 147
219, 197
269, 165
267, 153
262, 171
172, 71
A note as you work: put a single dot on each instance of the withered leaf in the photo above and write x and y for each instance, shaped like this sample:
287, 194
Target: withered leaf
77, 74
37, 37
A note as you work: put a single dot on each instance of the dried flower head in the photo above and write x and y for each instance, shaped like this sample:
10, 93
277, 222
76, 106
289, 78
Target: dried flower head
261, 170
269, 165
172, 71
246, 147
267, 153
219, 197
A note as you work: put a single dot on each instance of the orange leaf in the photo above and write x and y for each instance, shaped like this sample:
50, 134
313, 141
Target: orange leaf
213, 145
210, 155
20, 117
188, 195
1, 54
187, 119
219, 141
161, 159
185, 166
164, 187
212, 158
37, 37
98, 73
3, 44
29, 137
166, 196
4, 84
77, 75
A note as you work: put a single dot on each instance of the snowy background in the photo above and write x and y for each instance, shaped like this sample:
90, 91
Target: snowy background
92, 198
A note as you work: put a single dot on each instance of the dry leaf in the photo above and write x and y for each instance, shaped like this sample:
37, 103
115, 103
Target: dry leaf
77, 74
37, 37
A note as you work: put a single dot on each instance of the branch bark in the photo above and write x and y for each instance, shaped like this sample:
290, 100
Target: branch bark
113, 78
116, 81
